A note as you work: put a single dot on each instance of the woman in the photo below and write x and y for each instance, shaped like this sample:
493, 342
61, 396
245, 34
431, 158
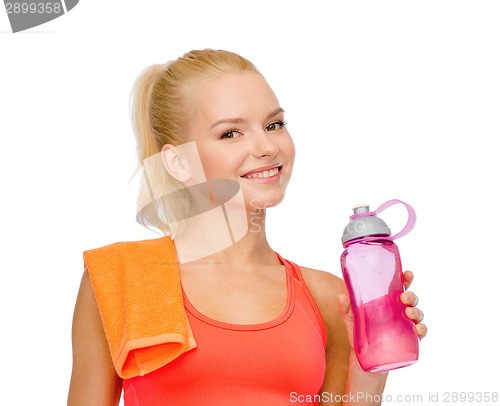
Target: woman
267, 331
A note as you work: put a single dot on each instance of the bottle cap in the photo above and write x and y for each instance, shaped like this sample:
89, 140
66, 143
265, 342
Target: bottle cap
364, 223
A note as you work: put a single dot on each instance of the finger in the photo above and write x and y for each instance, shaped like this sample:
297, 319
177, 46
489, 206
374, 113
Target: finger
415, 314
408, 279
409, 298
421, 330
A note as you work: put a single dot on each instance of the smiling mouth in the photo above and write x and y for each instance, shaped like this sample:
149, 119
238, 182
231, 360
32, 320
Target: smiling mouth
264, 174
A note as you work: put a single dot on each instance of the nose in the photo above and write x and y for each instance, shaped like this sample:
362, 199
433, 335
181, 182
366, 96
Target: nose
264, 145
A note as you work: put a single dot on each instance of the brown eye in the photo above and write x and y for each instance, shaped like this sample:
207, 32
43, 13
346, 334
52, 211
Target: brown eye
231, 134
277, 125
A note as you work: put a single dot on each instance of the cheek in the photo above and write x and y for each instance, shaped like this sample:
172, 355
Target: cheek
287, 147
219, 163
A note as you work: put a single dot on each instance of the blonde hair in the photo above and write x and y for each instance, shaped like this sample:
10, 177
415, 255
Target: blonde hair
159, 113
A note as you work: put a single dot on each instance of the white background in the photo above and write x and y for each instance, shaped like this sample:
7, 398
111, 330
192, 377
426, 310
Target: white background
384, 99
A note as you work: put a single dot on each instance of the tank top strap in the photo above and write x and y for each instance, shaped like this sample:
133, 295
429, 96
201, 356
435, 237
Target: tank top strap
297, 275
295, 269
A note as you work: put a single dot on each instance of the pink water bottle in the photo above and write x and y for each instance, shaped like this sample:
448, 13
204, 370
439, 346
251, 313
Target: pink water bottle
384, 337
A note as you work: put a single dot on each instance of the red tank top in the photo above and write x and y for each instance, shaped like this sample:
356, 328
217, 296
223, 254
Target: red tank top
272, 363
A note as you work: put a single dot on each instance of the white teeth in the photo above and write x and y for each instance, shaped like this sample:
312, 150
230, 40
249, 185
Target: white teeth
263, 174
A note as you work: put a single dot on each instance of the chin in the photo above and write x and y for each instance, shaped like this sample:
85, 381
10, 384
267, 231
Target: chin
254, 201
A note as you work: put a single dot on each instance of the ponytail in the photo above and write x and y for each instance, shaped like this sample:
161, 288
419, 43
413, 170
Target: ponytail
155, 182
140, 108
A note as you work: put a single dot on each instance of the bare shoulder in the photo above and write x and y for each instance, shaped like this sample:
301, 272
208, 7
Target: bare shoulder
324, 287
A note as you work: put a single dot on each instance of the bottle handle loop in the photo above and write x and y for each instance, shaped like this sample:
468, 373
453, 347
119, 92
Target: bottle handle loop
412, 217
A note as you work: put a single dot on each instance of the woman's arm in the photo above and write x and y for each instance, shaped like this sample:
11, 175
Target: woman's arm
345, 381
325, 289
93, 380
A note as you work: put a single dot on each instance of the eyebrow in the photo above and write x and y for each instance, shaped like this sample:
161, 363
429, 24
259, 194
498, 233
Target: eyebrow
240, 120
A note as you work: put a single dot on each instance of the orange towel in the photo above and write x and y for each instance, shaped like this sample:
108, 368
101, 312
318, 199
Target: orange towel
138, 292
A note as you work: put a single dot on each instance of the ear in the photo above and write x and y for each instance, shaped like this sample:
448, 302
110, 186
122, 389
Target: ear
174, 163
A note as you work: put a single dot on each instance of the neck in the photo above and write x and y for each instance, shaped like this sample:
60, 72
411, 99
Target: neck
212, 239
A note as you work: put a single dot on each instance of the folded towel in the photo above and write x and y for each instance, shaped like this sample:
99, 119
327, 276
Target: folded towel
137, 288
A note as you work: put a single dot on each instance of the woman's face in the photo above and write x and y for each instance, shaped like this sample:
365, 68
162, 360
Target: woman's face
239, 130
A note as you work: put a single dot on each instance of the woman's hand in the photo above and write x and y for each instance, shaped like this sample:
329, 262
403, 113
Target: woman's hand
411, 300
408, 298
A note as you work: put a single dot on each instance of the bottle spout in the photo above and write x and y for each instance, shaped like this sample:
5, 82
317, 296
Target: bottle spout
361, 208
